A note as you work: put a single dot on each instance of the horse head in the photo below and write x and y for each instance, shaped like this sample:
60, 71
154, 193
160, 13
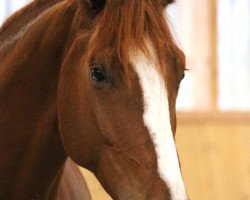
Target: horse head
116, 99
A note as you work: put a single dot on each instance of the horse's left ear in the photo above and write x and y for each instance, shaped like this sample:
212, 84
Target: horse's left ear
167, 2
94, 4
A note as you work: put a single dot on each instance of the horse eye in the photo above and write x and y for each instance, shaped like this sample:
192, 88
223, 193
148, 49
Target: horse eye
183, 76
98, 74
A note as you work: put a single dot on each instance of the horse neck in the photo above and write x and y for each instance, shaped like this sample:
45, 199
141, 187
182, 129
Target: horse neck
31, 152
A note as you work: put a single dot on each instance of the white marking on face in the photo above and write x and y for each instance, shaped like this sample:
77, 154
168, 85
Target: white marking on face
157, 120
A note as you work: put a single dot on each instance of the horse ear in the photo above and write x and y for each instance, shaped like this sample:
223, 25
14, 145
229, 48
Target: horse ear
167, 2
94, 4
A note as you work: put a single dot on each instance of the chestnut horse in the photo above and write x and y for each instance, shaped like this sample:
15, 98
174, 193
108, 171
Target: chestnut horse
95, 81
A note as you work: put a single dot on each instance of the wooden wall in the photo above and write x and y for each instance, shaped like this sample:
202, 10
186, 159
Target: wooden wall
215, 155
214, 152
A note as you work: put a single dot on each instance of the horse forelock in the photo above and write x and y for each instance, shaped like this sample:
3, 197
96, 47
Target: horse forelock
122, 25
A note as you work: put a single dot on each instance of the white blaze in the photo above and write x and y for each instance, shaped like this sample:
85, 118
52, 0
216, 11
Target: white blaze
157, 120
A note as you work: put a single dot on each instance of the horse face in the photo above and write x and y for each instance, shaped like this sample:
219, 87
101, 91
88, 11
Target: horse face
123, 130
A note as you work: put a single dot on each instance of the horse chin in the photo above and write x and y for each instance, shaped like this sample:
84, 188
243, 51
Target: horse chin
123, 179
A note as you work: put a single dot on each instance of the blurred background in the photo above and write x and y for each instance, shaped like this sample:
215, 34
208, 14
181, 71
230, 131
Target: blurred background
213, 135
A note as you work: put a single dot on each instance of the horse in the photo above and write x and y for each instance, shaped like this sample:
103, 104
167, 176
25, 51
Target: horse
94, 81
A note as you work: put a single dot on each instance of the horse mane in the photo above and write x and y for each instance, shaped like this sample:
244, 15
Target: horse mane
26, 12
122, 25
18, 14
